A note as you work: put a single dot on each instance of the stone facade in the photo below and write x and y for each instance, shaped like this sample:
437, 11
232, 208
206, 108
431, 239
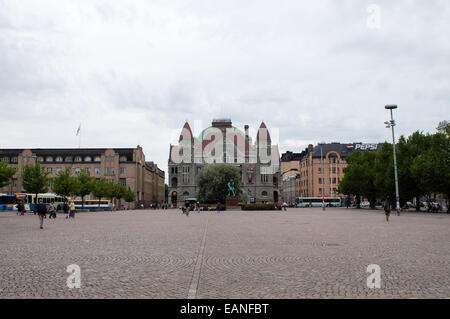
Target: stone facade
223, 143
126, 166
318, 170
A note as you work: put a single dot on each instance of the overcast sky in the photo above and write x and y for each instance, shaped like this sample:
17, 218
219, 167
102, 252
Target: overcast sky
132, 72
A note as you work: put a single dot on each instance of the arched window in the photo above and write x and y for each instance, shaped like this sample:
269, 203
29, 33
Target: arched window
264, 193
174, 182
15, 159
186, 194
78, 159
88, 159
77, 170
97, 159
6, 159
123, 158
49, 159
68, 159
59, 158
41, 159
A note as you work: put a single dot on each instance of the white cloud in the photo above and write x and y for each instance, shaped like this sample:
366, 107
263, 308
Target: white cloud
133, 71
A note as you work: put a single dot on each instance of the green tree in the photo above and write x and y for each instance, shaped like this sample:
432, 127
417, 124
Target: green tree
353, 181
6, 173
101, 189
129, 196
64, 184
213, 182
117, 192
166, 193
35, 180
85, 185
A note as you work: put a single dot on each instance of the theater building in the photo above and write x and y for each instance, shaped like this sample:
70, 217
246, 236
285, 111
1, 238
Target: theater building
259, 162
126, 166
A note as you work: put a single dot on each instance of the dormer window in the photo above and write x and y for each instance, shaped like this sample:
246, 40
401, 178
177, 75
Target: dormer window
68, 159
59, 159
49, 159
78, 159
97, 159
41, 159
88, 159
15, 159
123, 159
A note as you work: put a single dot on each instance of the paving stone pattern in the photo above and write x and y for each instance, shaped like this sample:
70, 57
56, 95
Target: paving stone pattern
301, 253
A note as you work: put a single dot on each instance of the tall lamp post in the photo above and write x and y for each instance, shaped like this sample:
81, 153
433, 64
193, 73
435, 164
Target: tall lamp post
391, 124
323, 178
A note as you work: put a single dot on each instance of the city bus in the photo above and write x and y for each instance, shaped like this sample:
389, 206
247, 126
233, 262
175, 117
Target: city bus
8, 202
92, 204
47, 198
317, 201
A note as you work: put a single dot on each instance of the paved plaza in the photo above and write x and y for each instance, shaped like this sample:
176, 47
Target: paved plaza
301, 253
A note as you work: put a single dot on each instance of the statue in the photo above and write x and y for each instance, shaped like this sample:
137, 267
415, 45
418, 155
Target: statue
231, 191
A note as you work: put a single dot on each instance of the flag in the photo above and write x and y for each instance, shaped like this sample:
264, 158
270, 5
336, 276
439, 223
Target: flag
78, 130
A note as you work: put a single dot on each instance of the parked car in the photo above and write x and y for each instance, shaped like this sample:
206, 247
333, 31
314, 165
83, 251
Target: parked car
365, 204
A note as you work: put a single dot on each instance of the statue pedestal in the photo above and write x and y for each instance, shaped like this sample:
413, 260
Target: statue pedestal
232, 203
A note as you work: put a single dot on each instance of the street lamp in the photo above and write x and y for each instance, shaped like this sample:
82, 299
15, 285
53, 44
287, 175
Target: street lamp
323, 178
391, 124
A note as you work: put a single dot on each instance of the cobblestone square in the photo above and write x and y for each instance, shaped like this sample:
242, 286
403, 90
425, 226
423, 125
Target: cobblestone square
301, 253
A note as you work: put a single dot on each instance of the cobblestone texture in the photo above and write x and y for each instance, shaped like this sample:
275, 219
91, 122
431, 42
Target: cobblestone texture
301, 253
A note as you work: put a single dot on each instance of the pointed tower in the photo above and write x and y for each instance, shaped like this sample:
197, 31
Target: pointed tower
186, 144
263, 144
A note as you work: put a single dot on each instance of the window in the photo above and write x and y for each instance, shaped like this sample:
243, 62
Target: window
49, 159
68, 159
333, 170
321, 191
14, 159
123, 181
14, 182
185, 174
6, 159
186, 194
58, 169
320, 170
123, 159
87, 170
333, 160
97, 159
107, 158
264, 193
333, 180
78, 159
59, 158
111, 158
320, 180
122, 170
77, 170
97, 170
111, 171
264, 178
49, 169
88, 159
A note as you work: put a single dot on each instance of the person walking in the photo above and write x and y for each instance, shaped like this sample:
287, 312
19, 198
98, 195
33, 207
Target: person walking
66, 210
41, 211
52, 211
285, 206
72, 210
387, 209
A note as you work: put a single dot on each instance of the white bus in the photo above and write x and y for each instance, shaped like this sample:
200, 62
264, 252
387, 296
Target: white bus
317, 201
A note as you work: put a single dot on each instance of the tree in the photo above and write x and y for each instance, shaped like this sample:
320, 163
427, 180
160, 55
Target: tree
118, 192
129, 196
213, 182
35, 180
353, 180
64, 184
101, 189
85, 185
6, 173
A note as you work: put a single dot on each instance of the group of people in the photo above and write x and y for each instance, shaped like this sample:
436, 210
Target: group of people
197, 208
42, 211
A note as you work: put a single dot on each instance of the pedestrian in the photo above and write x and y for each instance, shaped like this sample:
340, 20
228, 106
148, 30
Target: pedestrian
66, 210
218, 207
52, 211
197, 207
72, 210
285, 206
41, 211
387, 209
